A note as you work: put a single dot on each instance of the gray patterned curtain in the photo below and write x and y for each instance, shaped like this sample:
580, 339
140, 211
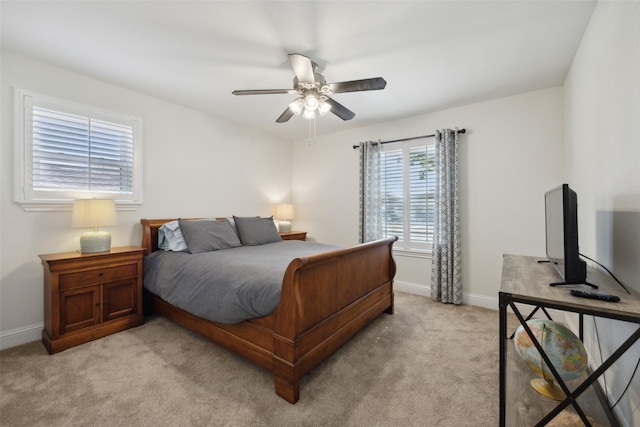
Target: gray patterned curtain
446, 280
370, 192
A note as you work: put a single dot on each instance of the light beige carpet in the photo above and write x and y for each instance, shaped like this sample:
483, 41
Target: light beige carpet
429, 364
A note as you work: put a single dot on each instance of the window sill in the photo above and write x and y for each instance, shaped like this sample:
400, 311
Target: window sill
413, 253
57, 206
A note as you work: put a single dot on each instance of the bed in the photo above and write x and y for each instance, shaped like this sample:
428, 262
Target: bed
325, 299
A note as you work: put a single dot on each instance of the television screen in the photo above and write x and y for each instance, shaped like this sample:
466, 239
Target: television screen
561, 223
554, 228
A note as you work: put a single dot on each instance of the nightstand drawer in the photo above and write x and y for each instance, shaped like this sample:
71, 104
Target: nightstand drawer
293, 235
91, 277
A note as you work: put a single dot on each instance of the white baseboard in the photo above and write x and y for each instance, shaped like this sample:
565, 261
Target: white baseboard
424, 290
484, 301
412, 288
480, 301
21, 336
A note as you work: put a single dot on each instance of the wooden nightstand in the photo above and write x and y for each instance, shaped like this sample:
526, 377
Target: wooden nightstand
294, 235
88, 296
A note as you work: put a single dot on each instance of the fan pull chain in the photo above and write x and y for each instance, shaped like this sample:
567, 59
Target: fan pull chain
312, 131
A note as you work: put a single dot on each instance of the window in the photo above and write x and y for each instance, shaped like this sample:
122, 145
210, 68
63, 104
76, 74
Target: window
408, 186
67, 151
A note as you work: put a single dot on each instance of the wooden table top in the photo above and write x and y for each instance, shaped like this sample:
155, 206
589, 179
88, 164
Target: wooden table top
524, 278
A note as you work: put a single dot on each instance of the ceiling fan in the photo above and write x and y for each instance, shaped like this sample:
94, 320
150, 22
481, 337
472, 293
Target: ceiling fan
314, 91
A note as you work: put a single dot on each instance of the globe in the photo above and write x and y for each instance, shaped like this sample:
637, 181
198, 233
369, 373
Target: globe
563, 348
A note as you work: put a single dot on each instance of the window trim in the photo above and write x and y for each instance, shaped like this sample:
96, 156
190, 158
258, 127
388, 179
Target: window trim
32, 201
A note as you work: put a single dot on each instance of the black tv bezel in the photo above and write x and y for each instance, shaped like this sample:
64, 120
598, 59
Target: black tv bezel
575, 269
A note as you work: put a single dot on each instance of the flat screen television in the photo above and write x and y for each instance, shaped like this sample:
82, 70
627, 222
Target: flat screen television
561, 223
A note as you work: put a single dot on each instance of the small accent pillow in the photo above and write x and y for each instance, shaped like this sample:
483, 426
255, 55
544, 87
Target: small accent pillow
170, 237
255, 231
208, 235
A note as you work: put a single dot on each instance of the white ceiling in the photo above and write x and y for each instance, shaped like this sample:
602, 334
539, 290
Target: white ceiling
433, 54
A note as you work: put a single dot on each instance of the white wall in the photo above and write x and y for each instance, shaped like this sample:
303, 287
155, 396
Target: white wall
511, 154
194, 165
602, 136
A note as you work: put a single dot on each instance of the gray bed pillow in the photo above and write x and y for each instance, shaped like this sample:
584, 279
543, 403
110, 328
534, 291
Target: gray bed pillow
256, 231
208, 235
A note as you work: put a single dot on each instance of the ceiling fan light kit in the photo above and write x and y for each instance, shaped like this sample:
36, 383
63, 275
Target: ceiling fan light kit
308, 105
313, 90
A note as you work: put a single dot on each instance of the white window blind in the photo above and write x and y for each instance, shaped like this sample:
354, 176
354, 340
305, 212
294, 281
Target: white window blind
68, 151
393, 193
78, 153
408, 185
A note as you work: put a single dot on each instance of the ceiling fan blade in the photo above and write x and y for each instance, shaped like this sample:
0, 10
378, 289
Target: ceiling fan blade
302, 68
375, 83
263, 91
340, 110
285, 116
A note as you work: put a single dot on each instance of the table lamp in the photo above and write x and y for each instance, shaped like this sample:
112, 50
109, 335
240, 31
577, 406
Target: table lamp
94, 213
284, 213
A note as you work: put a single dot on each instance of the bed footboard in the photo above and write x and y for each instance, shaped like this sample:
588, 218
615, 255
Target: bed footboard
326, 299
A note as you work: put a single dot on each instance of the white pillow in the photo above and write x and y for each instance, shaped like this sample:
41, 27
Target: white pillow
170, 237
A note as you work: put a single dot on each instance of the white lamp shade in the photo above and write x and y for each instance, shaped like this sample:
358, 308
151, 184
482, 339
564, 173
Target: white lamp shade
324, 108
93, 213
284, 211
311, 102
297, 106
308, 114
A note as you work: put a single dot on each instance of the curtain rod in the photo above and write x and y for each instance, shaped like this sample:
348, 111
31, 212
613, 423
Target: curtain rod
410, 139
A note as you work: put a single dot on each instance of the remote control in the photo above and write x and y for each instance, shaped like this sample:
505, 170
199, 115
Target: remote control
594, 295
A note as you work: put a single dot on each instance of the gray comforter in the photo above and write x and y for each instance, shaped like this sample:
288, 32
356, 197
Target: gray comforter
226, 286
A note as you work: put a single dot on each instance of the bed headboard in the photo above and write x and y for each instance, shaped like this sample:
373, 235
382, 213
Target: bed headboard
150, 233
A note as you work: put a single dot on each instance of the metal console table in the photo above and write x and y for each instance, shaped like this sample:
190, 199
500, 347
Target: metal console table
526, 281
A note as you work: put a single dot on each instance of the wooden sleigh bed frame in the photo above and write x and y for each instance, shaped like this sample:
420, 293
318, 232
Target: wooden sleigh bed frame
325, 300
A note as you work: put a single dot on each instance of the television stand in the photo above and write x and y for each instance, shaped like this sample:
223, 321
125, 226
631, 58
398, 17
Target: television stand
524, 282
567, 284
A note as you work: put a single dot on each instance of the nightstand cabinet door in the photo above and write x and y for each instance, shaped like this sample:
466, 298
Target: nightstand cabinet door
119, 299
89, 296
79, 309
